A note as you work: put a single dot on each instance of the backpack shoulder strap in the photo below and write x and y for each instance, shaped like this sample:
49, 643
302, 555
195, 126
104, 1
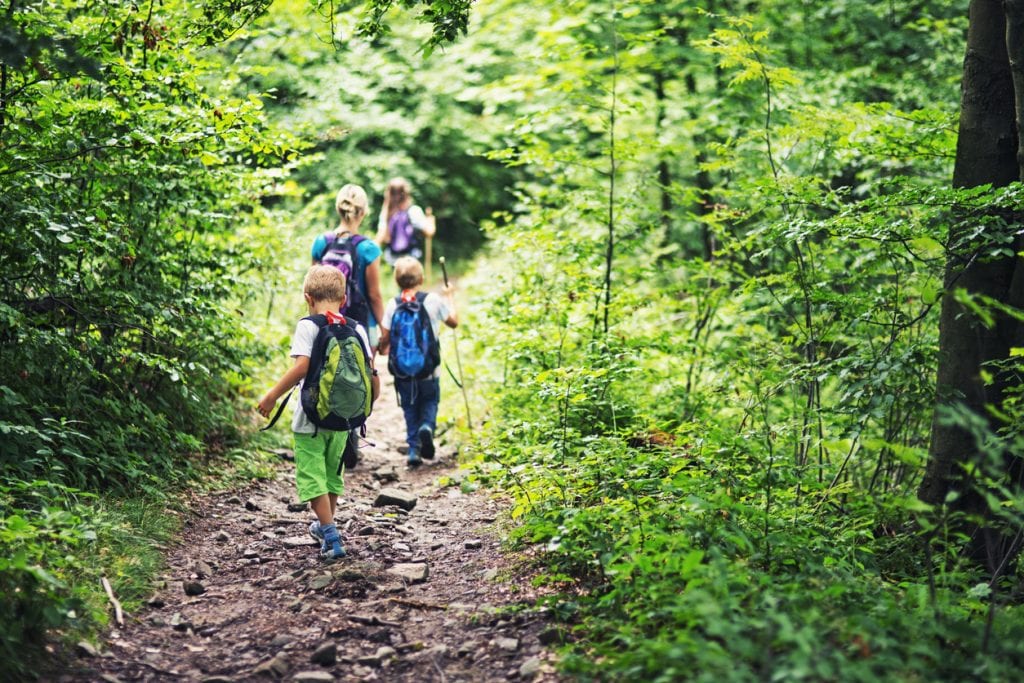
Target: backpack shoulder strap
421, 296
320, 319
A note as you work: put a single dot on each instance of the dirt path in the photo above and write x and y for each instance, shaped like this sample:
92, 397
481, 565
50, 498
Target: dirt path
424, 595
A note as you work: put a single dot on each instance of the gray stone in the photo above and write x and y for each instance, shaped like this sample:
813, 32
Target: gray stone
298, 541
313, 677
321, 582
298, 506
222, 537
413, 572
251, 554
111, 678
385, 474
326, 654
86, 649
365, 531
467, 648
382, 655
392, 496
276, 667
251, 505
473, 544
202, 569
217, 679
193, 588
280, 640
507, 644
529, 668
234, 500
179, 623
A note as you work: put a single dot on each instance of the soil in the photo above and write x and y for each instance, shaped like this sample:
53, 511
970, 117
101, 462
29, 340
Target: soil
424, 595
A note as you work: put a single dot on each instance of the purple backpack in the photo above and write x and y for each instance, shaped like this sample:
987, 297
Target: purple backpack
402, 232
341, 252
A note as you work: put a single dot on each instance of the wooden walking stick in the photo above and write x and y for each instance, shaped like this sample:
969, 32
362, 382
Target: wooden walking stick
458, 361
431, 228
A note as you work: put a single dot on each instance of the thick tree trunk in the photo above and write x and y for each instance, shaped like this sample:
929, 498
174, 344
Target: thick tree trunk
987, 153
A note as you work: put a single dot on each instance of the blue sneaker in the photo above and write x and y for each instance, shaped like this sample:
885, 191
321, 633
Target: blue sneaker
332, 552
414, 459
314, 531
426, 442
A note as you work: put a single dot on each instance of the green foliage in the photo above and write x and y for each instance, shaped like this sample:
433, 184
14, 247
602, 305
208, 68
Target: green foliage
722, 484
132, 176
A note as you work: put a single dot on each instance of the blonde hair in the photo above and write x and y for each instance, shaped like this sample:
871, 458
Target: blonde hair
408, 272
324, 283
351, 203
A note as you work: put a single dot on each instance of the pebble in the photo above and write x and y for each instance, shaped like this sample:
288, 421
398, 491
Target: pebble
277, 666
86, 649
222, 537
193, 588
320, 582
473, 544
365, 531
529, 668
326, 654
411, 572
507, 644
251, 505
297, 506
313, 677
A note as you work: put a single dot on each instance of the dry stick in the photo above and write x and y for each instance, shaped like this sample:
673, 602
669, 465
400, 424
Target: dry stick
118, 614
458, 360
429, 240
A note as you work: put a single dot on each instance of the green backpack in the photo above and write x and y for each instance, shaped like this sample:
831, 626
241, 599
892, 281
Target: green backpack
337, 393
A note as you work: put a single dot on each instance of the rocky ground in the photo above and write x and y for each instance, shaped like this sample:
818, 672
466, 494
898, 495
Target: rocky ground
425, 594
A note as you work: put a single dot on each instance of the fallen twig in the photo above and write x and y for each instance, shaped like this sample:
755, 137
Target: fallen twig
118, 613
417, 604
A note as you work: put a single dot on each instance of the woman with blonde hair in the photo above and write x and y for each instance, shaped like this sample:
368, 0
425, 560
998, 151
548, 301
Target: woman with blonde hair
402, 225
355, 255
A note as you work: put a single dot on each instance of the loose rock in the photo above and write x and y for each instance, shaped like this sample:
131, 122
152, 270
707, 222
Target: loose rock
193, 588
507, 644
326, 654
411, 572
392, 496
473, 544
313, 677
529, 668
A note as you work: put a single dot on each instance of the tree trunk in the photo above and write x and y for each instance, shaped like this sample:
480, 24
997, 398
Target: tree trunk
987, 153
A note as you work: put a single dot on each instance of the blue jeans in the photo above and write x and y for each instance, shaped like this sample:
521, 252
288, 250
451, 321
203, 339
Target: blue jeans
419, 399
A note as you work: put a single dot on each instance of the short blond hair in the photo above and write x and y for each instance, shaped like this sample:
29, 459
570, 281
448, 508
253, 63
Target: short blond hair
324, 283
351, 202
408, 272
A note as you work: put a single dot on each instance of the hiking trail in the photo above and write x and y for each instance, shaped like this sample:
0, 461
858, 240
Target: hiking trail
420, 596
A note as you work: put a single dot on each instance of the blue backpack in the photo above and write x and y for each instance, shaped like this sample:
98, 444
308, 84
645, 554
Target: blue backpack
342, 253
415, 352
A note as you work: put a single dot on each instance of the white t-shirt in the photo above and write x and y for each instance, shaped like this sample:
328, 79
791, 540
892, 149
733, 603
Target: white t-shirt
302, 345
437, 310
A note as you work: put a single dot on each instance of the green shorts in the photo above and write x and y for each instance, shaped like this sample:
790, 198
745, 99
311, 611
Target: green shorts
316, 463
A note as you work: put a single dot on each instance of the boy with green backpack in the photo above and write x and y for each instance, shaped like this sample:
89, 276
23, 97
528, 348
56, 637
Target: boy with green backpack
333, 367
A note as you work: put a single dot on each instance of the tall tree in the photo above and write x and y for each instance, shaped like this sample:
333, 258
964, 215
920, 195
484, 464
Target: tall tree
988, 153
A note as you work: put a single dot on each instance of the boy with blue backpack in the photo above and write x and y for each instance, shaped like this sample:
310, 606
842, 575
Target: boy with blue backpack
337, 387
409, 335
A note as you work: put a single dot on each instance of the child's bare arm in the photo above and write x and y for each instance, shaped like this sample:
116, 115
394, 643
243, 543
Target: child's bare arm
289, 379
453, 315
